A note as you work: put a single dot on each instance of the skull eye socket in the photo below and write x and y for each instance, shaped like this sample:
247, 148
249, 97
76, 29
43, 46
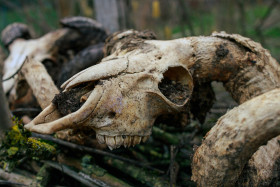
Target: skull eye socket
111, 114
176, 85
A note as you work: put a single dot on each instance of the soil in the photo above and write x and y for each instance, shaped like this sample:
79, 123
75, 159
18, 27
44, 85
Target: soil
174, 91
70, 101
221, 52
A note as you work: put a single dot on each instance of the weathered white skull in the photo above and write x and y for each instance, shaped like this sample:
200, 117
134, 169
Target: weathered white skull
124, 94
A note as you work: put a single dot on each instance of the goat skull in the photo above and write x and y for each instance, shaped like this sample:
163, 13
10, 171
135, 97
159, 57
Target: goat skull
128, 94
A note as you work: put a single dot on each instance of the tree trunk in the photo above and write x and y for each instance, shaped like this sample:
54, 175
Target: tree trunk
111, 13
5, 121
65, 8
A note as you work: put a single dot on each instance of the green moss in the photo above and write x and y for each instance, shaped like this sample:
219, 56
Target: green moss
12, 151
18, 145
38, 149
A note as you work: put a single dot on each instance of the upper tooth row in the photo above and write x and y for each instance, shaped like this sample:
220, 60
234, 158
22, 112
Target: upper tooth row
114, 142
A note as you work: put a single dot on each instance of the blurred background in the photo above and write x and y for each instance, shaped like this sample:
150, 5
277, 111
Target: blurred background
257, 19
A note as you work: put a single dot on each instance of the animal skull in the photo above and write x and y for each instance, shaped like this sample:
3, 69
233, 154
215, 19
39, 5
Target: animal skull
126, 92
123, 95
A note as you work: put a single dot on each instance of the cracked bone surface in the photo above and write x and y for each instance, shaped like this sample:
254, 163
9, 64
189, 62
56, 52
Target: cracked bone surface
121, 97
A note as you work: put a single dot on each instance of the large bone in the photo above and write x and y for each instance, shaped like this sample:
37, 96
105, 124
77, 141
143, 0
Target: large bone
39, 81
263, 167
39, 49
235, 138
244, 66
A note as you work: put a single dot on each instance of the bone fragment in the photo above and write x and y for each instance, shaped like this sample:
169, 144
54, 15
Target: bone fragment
20, 49
40, 82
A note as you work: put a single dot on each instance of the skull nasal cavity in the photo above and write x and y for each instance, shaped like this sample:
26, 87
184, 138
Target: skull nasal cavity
176, 85
112, 114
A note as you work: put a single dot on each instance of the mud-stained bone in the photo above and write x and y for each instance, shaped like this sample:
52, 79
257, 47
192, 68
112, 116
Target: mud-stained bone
235, 138
263, 167
122, 98
132, 82
70, 101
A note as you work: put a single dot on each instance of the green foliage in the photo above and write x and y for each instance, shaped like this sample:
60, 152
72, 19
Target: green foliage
18, 145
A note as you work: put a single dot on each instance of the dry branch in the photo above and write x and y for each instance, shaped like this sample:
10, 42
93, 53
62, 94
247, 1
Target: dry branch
81, 178
16, 178
146, 177
93, 171
95, 151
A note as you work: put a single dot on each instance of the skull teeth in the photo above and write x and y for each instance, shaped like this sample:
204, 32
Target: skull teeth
119, 141
136, 140
114, 142
110, 141
100, 138
126, 142
145, 138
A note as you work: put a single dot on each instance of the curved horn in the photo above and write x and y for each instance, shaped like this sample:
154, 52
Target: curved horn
39, 123
235, 138
96, 72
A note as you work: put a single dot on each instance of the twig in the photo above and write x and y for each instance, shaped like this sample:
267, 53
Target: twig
165, 136
26, 110
92, 150
91, 171
10, 183
71, 173
15, 178
100, 183
173, 167
144, 176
